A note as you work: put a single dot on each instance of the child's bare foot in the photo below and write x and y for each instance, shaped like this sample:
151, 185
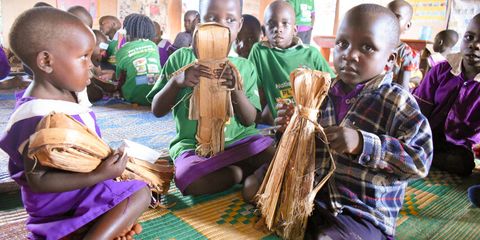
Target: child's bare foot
250, 188
129, 233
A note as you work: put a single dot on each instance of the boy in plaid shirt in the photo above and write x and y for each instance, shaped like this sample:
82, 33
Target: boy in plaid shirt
378, 137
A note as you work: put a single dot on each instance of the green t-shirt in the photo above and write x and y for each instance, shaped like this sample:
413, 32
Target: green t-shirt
303, 11
111, 50
274, 66
140, 60
186, 129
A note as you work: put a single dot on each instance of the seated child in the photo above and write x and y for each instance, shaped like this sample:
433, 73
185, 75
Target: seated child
162, 43
442, 46
138, 62
246, 150
448, 97
250, 34
83, 14
63, 204
276, 58
377, 135
101, 83
190, 21
408, 60
110, 26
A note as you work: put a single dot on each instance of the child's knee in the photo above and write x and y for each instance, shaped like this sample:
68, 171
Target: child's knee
143, 197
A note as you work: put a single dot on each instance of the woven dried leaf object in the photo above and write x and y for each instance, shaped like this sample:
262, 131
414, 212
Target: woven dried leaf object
62, 142
285, 198
157, 175
211, 102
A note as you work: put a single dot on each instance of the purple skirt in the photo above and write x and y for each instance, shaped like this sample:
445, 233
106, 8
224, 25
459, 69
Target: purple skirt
190, 167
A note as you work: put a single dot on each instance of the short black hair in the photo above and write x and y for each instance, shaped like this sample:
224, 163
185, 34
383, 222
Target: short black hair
99, 35
139, 26
357, 14
39, 29
110, 17
250, 21
240, 1
401, 3
42, 4
82, 13
449, 37
192, 12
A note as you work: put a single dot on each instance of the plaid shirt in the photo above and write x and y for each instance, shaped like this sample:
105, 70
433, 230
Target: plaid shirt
397, 147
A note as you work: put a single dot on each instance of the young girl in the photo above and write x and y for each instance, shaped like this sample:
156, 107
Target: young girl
245, 150
448, 97
138, 62
59, 203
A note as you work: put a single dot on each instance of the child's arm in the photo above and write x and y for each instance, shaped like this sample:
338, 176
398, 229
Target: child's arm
48, 180
426, 91
405, 151
244, 110
165, 99
403, 79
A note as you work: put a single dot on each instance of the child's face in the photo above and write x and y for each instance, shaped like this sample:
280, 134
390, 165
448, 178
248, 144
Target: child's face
225, 12
107, 26
72, 60
470, 46
245, 40
280, 27
404, 16
361, 51
190, 21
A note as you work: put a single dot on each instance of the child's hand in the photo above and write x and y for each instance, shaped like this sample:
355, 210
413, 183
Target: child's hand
226, 74
476, 150
112, 166
284, 113
192, 76
344, 140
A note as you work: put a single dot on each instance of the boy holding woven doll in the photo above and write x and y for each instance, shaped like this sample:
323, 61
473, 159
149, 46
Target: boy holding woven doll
376, 133
196, 171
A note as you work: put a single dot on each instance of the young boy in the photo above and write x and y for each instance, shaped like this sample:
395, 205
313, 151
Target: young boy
83, 14
408, 60
110, 25
442, 46
162, 43
190, 21
101, 82
250, 34
448, 97
246, 150
377, 135
280, 55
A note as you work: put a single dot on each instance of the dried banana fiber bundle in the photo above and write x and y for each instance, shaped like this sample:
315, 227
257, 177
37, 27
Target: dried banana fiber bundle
285, 198
62, 142
157, 175
211, 102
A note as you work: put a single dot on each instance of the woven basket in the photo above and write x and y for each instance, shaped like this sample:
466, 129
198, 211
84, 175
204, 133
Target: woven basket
64, 143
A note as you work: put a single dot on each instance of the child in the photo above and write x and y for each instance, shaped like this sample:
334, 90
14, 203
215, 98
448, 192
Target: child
245, 150
110, 26
163, 44
280, 55
138, 62
377, 135
407, 64
305, 18
250, 34
442, 46
64, 204
448, 97
83, 14
4, 66
190, 21
101, 83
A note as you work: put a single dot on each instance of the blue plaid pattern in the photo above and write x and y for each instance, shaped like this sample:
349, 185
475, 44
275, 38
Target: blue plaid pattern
397, 148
